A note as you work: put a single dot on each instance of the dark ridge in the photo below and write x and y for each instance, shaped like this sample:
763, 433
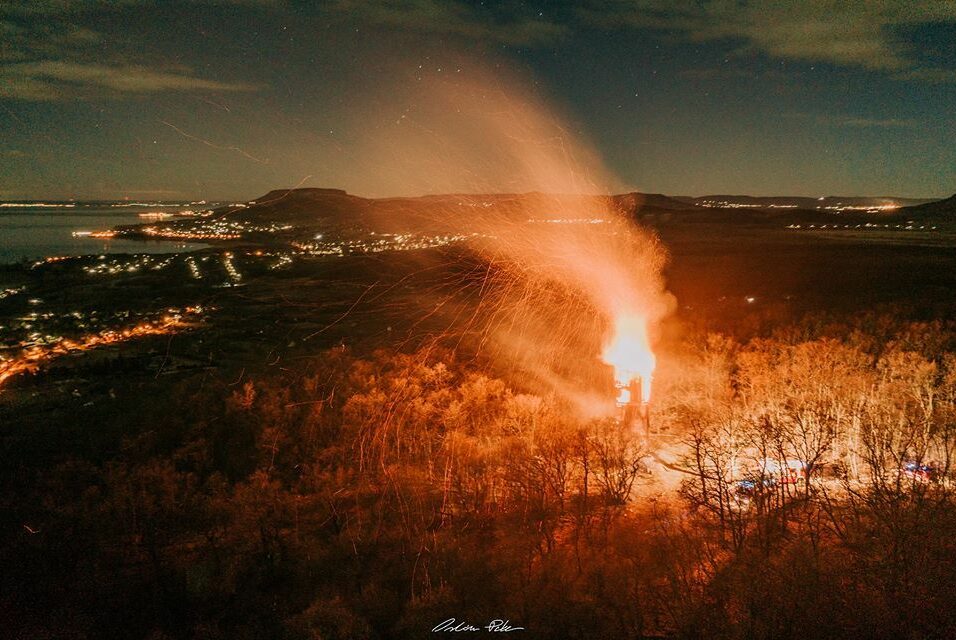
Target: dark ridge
802, 202
655, 201
947, 205
303, 207
308, 192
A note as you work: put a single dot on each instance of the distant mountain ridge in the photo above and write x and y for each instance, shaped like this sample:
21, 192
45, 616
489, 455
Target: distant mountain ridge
655, 200
279, 194
945, 205
803, 202
324, 206
308, 204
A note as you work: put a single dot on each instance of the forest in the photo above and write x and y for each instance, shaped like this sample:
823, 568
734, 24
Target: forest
377, 494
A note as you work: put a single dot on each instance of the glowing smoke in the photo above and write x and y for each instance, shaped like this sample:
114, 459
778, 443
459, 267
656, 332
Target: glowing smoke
570, 277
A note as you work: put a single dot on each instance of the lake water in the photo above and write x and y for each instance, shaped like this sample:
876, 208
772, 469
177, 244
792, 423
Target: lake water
38, 231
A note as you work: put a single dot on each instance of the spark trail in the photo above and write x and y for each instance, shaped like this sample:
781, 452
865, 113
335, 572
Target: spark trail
563, 277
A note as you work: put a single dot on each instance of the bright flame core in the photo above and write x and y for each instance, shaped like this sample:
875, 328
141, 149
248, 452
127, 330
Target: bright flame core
629, 352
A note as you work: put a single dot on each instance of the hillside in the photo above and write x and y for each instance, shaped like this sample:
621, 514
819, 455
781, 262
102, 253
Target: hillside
302, 215
826, 203
314, 207
939, 211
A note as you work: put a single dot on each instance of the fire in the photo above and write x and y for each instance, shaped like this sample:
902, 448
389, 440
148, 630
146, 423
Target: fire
629, 352
557, 258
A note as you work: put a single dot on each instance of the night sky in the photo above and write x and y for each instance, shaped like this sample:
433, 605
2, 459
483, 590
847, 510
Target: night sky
181, 100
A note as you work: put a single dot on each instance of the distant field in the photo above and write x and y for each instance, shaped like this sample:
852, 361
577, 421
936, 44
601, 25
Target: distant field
808, 271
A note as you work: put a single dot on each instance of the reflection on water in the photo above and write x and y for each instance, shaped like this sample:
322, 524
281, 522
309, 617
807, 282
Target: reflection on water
40, 232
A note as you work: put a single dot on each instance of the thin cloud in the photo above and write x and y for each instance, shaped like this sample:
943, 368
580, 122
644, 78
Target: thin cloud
74, 7
850, 33
53, 80
49, 39
455, 18
54, 59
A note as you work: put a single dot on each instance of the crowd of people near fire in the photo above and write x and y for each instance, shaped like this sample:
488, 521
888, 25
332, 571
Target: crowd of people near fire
378, 495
